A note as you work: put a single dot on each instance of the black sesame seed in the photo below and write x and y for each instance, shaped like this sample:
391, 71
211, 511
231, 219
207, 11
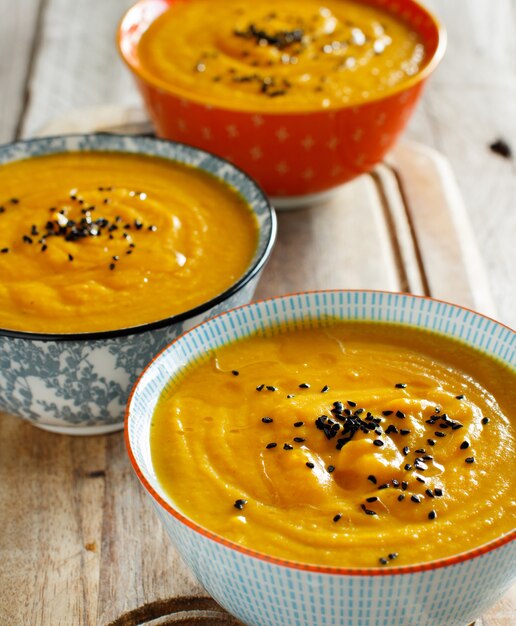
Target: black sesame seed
298, 424
287, 446
439, 434
239, 504
438, 492
430, 442
408, 467
267, 420
404, 431
111, 266
384, 486
70, 257
420, 479
14, 200
351, 403
4, 250
432, 515
271, 445
395, 483
325, 389
415, 498
304, 386
460, 397
372, 499
404, 485
401, 497
383, 561
400, 414
378, 442
299, 439
44, 247
372, 479
400, 385
420, 450
331, 469
337, 517
235, 372
430, 493
260, 387
464, 445
470, 459
271, 388
387, 413
391, 429
393, 555
485, 420
366, 510
310, 465
406, 450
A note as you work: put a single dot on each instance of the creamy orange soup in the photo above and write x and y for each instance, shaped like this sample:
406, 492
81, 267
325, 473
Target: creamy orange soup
356, 445
100, 241
280, 54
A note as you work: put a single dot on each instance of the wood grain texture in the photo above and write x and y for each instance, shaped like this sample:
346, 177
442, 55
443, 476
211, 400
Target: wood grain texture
18, 47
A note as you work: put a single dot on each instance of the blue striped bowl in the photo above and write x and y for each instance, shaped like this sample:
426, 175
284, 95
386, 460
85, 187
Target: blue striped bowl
264, 591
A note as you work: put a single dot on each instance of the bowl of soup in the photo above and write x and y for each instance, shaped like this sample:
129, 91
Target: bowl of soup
336, 457
303, 95
110, 247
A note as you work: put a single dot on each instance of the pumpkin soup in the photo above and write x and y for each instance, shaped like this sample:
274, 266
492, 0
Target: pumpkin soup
356, 444
280, 54
94, 241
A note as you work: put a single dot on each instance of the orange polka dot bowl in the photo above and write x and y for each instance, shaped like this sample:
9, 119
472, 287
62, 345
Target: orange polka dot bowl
284, 100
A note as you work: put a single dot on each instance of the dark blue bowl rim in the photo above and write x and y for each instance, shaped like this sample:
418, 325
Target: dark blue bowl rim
251, 272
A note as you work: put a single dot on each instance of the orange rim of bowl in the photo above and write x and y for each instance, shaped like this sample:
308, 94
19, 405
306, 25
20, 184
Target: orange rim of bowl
261, 556
178, 92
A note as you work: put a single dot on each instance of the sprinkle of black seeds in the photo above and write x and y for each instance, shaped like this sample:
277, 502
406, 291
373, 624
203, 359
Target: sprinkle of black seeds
271, 445
260, 387
267, 420
239, 504
502, 148
485, 420
351, 403
298, 424
415, 498
111, 266
430, 442
235, 372
366, 510
291, 395
337, 517
401, 497
70, 257
287, 446
325, 389
331, 469
271, 388
400, 414
304, 386
4, 250
384, 486
299, 439
470, 459
393, 555
420, 479
464, 445
400, 385
432, 515
391, 429
439, 434
408, 467
404, 485
430, 493
395, 483
378, 442
14, 201
387, 413
372, 479
372, 499
438, 492
310, 465
383, 561
404, 431
460, 397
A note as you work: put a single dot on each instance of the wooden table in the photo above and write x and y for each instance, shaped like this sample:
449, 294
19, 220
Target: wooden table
59, 55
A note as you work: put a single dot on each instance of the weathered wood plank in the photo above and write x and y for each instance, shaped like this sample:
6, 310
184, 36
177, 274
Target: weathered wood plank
18, 43
77, 64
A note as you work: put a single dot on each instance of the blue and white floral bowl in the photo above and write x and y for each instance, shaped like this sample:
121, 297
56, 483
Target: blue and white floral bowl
79, 383
264, 591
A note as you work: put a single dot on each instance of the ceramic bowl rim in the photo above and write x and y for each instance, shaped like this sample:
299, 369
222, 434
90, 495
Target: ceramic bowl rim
177, 92
251, 271
455, 559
